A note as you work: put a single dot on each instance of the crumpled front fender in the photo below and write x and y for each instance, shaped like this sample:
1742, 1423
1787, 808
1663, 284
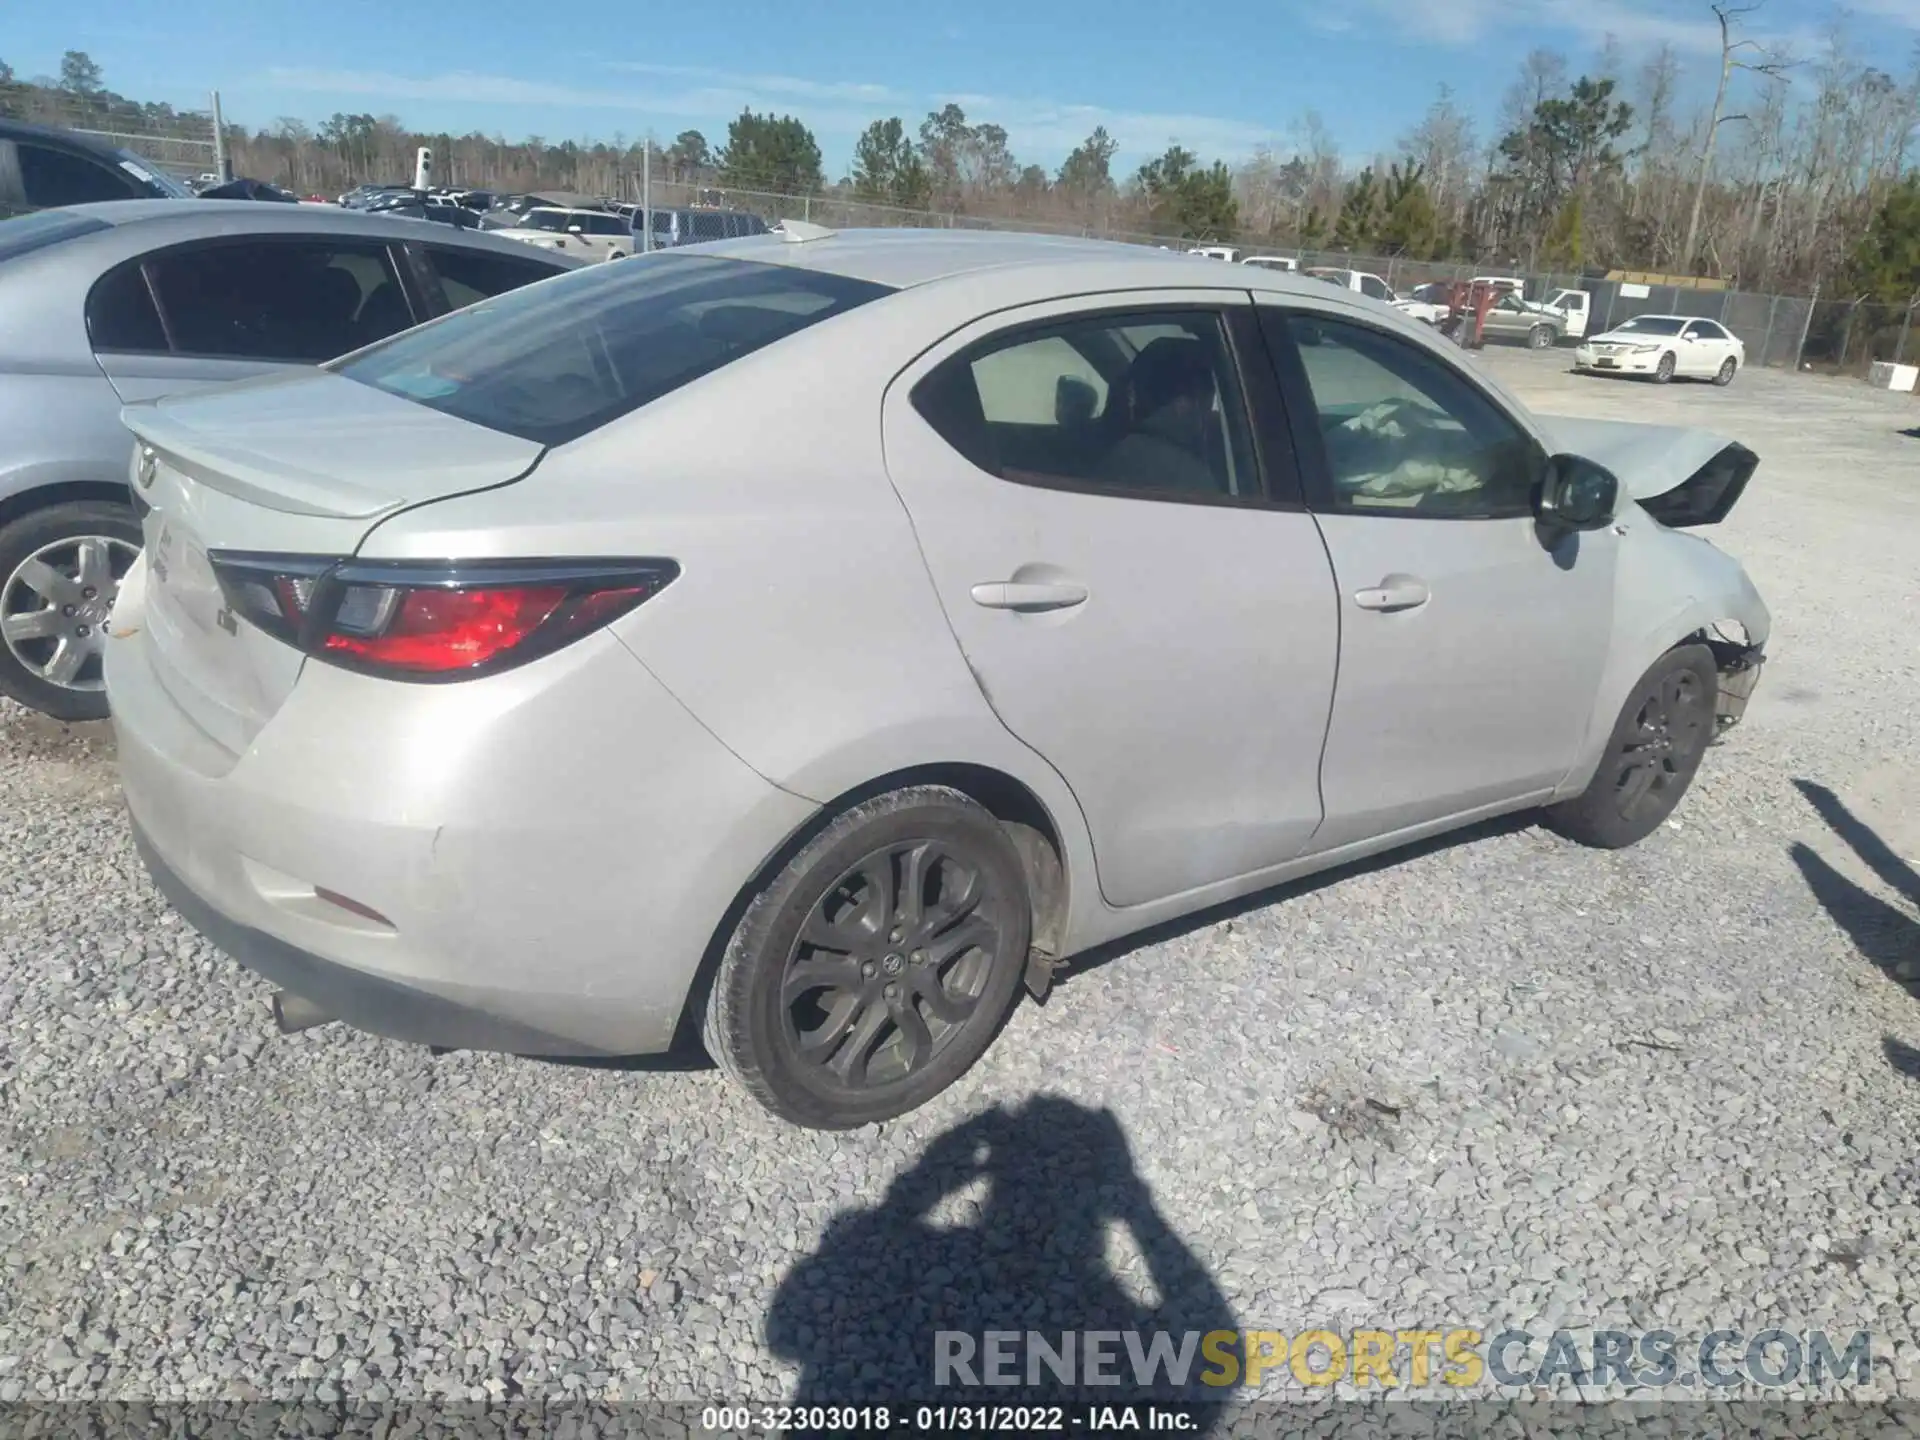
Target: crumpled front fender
1672, 586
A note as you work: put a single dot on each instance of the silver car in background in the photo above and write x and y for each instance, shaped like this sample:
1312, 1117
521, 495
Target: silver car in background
131, 300
812, 639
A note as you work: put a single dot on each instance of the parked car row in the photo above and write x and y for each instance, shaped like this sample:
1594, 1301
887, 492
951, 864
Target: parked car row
120, 303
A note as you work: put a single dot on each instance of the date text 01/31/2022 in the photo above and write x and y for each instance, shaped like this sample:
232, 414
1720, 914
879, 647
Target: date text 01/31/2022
941, 1419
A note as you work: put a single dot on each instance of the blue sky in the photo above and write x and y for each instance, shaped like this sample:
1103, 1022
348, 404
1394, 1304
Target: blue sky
1220, 78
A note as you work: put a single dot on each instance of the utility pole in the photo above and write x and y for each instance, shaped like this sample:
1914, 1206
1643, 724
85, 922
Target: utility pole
646, 194
219, 142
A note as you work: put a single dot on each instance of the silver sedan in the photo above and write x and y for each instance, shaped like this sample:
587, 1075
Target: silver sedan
813, 639
129, 300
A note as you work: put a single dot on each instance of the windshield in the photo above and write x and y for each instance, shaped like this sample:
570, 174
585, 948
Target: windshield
45, 227
161, 183
552, 361
1652, 325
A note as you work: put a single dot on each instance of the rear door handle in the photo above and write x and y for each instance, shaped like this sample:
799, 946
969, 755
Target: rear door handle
1028, 595
1396, 592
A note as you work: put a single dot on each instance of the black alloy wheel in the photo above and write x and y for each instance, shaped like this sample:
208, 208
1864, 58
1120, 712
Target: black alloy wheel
1652, 755
878, 965
890, 965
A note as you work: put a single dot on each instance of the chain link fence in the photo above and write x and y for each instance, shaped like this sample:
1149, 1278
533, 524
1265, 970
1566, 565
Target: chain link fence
179, 142
1790, 332
1847, 337
1784, 331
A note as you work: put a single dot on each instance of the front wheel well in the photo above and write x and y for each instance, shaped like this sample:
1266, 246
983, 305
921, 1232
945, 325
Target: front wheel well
45, 497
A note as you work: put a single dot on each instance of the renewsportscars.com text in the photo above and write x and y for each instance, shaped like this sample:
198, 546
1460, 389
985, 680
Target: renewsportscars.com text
1459, 1358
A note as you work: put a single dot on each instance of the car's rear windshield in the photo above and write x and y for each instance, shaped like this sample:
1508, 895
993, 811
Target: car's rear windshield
26, 233
1654, 325
554, 360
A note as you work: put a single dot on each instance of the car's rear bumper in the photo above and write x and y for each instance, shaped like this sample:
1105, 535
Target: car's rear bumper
535, 862
365, 1001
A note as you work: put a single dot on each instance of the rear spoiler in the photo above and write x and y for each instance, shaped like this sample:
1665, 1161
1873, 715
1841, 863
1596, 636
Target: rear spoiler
1679, 475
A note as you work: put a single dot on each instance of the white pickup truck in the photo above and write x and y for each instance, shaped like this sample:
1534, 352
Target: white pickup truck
1575, 305
1368, 283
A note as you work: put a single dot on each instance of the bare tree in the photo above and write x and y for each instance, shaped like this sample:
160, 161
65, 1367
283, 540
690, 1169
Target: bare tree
1735, 54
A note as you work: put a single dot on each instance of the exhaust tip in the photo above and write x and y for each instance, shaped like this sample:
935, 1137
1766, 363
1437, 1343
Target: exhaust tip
294, 1013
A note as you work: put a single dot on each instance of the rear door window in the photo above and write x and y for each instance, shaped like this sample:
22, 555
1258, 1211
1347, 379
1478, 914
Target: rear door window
121, 315
470, 276
1082, 405
552, 362
292, 301
59, 177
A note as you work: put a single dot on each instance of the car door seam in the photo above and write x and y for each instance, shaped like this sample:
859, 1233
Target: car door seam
713, 734
887, 399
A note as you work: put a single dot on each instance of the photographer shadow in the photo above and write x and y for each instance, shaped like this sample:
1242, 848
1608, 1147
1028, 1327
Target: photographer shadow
1008, 1222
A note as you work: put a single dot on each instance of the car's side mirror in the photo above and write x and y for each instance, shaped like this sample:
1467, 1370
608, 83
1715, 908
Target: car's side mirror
575, 230
1576, 494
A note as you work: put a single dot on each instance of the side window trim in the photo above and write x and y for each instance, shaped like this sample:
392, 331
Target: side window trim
1303, 414
1277, 482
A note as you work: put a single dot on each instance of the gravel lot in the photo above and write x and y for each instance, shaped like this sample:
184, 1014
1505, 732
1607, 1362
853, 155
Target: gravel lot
1499, 1080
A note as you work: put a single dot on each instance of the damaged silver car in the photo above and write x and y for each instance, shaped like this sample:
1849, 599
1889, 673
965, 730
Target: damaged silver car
812, 638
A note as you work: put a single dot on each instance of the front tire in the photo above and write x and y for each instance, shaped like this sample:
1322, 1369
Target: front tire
1663, 372
1651, 756
1541, 337
878, 965
60, 571
1723, 377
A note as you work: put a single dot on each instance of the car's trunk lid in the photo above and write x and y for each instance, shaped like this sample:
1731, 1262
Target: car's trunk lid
303, 466
1679, 474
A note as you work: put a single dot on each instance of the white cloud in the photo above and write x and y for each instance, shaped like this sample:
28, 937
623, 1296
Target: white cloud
793, 85
1636, 24
1053, 128
1041, 129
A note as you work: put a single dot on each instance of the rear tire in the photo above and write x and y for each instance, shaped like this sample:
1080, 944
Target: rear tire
1651, 756
877, 966
45, 546
1728, 368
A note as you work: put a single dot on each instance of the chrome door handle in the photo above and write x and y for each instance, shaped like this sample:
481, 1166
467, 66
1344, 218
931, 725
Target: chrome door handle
1396, 592
1028, 595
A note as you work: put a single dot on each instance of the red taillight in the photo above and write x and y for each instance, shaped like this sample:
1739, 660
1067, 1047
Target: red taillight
434, 620
437, 630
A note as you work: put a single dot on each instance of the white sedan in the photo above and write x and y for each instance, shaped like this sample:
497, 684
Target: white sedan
1665, 347
813, 639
